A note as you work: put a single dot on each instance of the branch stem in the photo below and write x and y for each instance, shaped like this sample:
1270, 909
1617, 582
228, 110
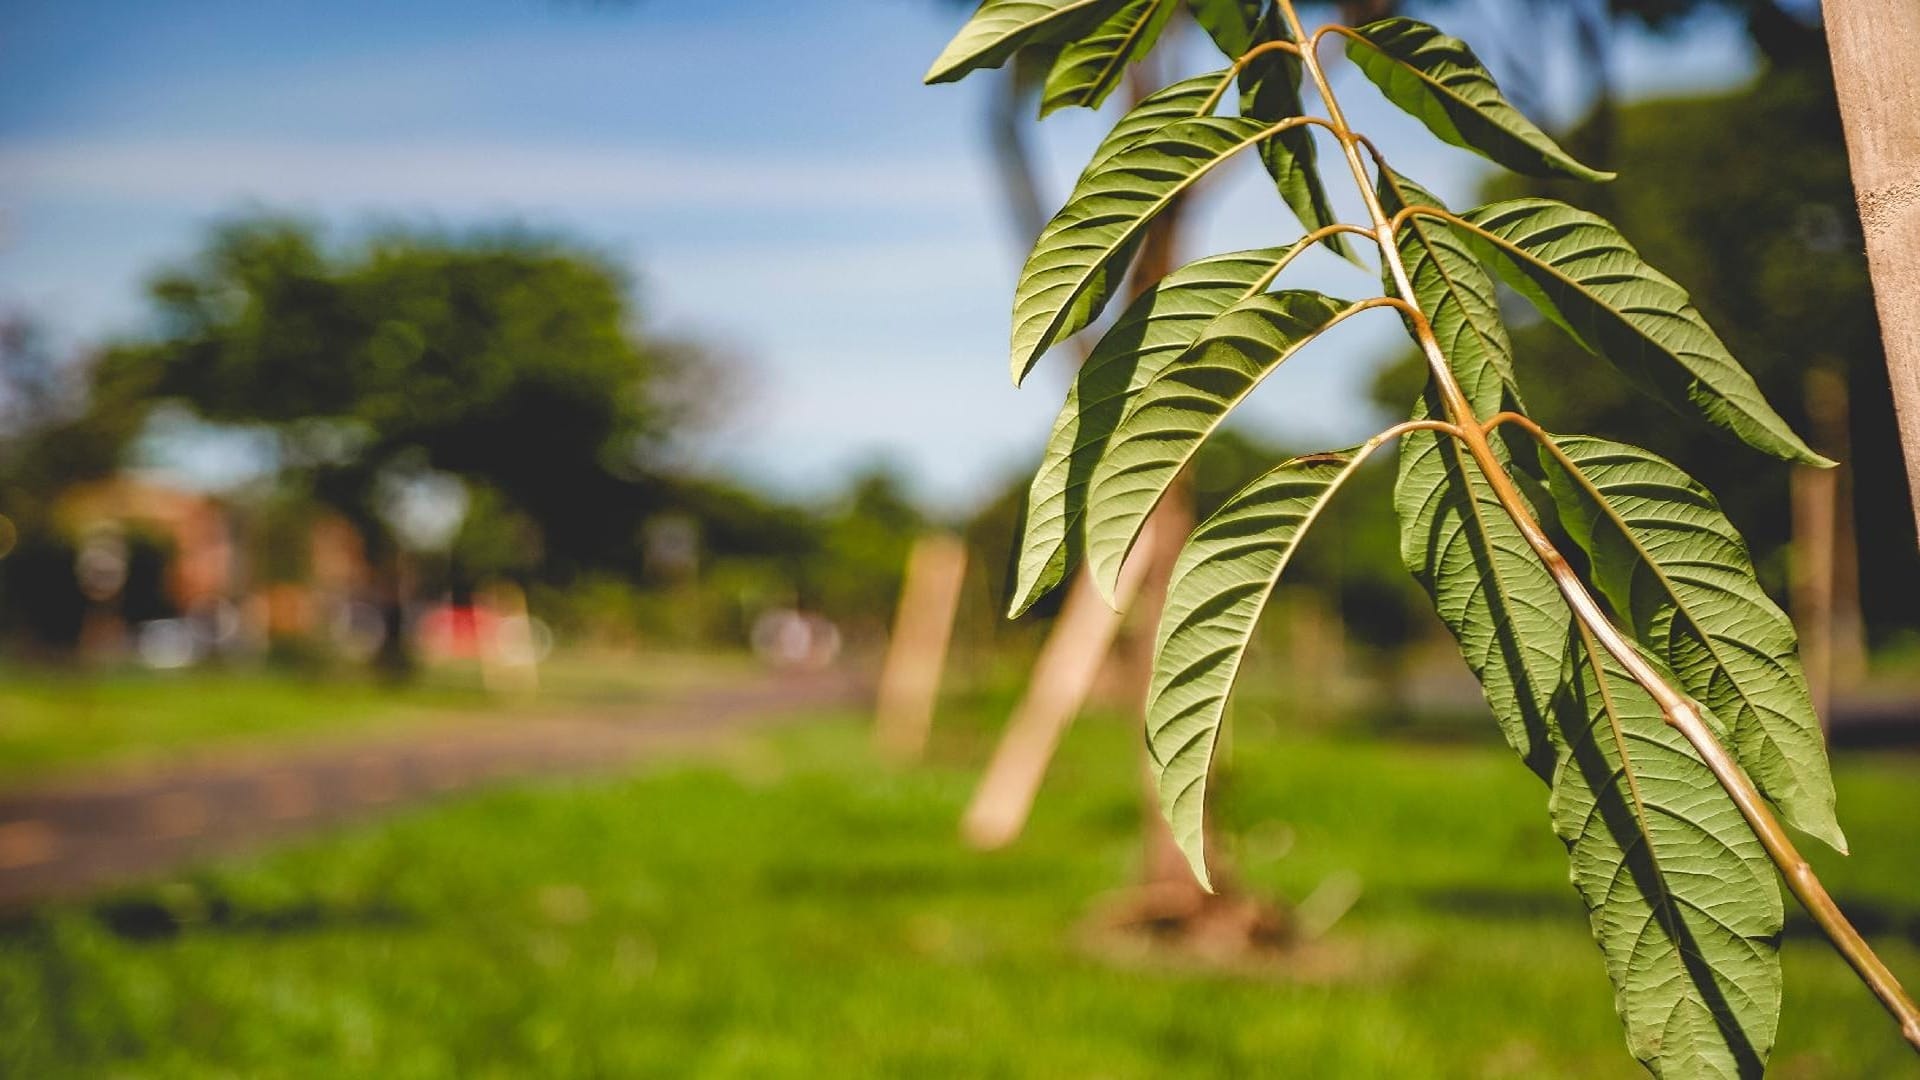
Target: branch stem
1801, 880
1405, 426
1680, 712
1240, 64
1306, 244
1262, 49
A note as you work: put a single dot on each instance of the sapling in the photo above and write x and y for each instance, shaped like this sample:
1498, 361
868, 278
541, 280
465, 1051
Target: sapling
1654, 687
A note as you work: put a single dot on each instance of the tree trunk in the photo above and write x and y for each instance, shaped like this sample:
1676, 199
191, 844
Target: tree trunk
393, 588
1875, 44
1165, 866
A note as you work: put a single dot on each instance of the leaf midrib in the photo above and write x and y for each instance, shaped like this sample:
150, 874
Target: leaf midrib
1420, 232
1458, 69
1633, 787
1499, 583
1270, 269
1570, 282
1785, 437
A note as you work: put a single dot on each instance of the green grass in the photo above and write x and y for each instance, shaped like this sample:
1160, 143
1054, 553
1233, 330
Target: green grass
797, 910
58, 722
62, 721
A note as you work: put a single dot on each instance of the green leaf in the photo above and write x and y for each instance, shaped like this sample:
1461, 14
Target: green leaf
1234, 25
1440, 82
1219, 586
1581, 273
1156, 329
1677, 571
1680, 895
1002, 27
1270, 90
1180, 101
1486, 583
1081, 255
1458, 296
1180, 406
1090, 66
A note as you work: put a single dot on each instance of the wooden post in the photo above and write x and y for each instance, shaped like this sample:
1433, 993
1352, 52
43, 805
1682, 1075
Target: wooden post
509, 656
1876, 71
1080, 639
1813, 493
1165, 867
917, 649
1825, 557
1830, 423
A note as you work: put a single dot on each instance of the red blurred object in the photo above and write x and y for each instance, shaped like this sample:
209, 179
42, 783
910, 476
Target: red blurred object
456, 631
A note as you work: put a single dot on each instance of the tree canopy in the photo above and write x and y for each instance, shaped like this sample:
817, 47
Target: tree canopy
509, 360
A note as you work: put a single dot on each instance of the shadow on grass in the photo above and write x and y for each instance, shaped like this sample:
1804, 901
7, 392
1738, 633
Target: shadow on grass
161, 917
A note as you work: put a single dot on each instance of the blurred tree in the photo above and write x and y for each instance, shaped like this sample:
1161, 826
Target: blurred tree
51, 436
504, 359
53, 432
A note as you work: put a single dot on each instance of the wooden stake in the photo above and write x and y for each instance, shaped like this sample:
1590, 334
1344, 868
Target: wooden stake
1165, 867
1813, 493
1876, 71
1062, 676
1831, 424
1825, 555
917, 650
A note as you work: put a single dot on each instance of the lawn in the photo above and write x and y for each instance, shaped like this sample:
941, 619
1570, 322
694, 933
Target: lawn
54, 722
795, 909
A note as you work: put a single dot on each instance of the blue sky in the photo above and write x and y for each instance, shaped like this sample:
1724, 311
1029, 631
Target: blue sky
776, 177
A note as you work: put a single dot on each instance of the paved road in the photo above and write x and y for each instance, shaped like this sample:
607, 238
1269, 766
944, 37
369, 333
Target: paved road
84, 834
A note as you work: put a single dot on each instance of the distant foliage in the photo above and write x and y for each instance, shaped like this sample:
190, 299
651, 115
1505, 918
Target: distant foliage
505, 359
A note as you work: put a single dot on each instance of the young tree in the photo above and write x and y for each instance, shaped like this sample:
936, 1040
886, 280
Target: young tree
1658, 692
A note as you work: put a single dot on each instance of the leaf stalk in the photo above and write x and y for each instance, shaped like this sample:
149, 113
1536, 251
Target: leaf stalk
1240, 65
1305, 244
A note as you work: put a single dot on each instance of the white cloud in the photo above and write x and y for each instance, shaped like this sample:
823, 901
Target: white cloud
472, 174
